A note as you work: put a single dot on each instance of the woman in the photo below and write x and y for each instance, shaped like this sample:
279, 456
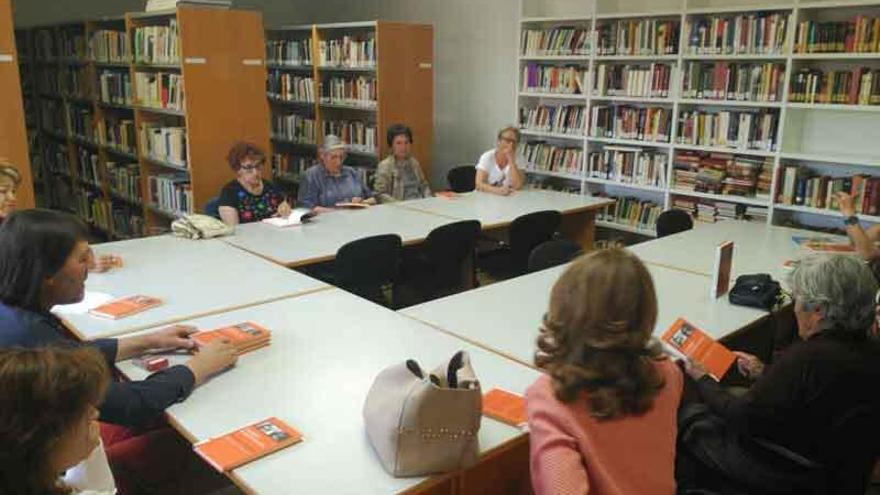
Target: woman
249, 198
48, 422
10, 179
399, 176
602, 418
808, 424
865, 241
497, 170
330, 183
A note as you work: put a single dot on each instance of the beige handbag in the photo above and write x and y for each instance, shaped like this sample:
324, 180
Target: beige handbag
420, 425
196, 226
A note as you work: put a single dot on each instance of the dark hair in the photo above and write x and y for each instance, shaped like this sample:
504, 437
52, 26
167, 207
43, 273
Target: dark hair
399, 130
43, 393
596, 336
242, 150
34, 245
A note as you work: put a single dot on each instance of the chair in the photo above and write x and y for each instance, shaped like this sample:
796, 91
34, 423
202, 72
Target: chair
553, 253
526, 233
212, 207
462, 179
364, 266
446, 263
672, 222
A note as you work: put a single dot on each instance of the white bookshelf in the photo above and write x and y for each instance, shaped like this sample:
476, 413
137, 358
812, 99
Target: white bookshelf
836, 139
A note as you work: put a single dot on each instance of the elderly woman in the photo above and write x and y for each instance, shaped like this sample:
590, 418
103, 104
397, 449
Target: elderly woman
808, 424
330, 183
399, 177
497, 171
10, 179
248, 198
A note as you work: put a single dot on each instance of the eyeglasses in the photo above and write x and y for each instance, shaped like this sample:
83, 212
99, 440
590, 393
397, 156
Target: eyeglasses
507, 140
250, 168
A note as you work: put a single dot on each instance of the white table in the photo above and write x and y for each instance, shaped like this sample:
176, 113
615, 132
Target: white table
505, 317
193, 278
326, 349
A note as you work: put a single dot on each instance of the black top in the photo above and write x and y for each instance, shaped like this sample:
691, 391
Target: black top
251, 208
126, 403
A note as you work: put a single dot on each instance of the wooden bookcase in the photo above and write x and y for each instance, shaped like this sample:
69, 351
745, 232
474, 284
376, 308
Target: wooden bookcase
402, 71
220, 61
13, 134
834, 140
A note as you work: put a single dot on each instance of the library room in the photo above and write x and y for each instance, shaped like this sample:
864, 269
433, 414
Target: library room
440, 247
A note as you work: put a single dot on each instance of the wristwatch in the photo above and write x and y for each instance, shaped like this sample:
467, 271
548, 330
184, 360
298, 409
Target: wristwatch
851, 220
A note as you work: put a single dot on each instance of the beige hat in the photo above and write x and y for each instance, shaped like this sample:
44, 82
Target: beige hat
332, 142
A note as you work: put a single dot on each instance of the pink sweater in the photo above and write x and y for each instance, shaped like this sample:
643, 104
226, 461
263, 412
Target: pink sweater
574, 453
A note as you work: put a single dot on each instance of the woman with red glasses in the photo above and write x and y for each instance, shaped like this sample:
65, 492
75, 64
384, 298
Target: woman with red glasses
248, 198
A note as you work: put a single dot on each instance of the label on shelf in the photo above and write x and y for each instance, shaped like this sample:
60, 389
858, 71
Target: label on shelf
252, 61
425, 65
195, 60
6, 57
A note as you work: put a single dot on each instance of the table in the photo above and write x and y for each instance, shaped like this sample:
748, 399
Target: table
193, 278
326, 349
504, 317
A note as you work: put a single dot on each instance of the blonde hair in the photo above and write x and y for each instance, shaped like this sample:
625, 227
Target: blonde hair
8, 170
512, 128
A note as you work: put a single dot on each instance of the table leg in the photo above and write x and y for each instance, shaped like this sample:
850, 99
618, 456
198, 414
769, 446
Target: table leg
580, 227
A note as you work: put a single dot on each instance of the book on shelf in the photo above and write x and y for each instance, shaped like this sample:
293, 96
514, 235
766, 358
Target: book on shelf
638, 37
718, 173
355, 91
568, 80
800, 186
72, 43
247, 444
126, 306
87, 167
542, 156
290, 52
128, 221
298, 216
82, 122
287, 165
761, 82
115, 87
556, 119
629, 165
650, 124
111, 46
684, 340
348, 51
119, 134
171, 192
161, 90
291, 87
76, 82
164, 143
294, 128
631, 212
246, 336
757, 33
358, 135
861, 34
744, 130
557, 41
506, 407
92, 208
721, 270
125, 180
858, 86
157, 44
159, 5
644, 81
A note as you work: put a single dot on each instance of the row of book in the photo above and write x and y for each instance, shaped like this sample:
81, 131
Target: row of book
651, 81
164, 143
115, 87
48, 82
762, 33
631, 212
55, 158
88, 167
290, 87
45, 45
357, 135
284, 164
553, 79
159, 90
547, 157
294, 128
629, 166
94, 209
357, 91
558, 119
713, 211
801, 186
128, 222
171, 192
858, 35
651, 124
760, 82
75, 82
72, 44
125, 180
119, 134
558, 41
638, 37
52, 116
859, 86
81, 122
722, 173
290, 52
157, 44
109, 46
744, 130
348, 52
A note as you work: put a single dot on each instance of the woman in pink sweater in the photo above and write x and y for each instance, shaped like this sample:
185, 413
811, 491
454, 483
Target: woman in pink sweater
603, 417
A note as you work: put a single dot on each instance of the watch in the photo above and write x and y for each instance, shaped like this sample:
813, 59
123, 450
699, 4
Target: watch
851, 220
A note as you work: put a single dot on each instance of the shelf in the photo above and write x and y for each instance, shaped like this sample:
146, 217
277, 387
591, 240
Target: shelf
724, 198
126, 199
730, 103
557, 96
162, 163
538, 20
823, 212
55, 135
347, 25
72, 61
79, 100
628, 142
160, 111
85, 183
626, 228
330, 68
837, 4
836, 56
738, 8
626, 185
559, 175
646, 58
281, 101
151, 66
118, 65
634, 99
631, 15
836, 158
119, 106
732, 151
834, 107
725, 57
119, 152
552, 135
349, 107
279, 139
82, 141
283, 66
556, 58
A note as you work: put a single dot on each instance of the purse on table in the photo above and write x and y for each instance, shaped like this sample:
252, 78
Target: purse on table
196, 226
756, 291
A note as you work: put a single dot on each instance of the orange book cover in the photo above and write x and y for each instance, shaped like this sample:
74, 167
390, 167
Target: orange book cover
694, 343
505, 406
242, 335
721, 272
126, 306
247, 444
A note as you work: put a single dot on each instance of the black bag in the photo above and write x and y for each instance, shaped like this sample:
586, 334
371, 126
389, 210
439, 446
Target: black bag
756, 291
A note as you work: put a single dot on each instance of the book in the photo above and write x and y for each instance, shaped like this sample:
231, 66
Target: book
124, 307
159, 5
298, 216
352, 206
247, 444
505, 406
721, 271
246, 337
683, 339
823, 244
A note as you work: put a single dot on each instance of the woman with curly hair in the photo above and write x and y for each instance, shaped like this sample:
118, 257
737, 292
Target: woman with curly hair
603, 416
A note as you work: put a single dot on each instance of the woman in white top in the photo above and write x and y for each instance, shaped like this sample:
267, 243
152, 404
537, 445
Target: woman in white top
497, 170
49, 435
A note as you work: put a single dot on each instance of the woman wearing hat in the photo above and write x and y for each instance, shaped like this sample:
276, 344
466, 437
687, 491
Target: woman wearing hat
330, 183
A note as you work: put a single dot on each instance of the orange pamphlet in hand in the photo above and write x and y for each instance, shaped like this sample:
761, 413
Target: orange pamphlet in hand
245, 336
688, 340
127, 306
247, 444
505, 406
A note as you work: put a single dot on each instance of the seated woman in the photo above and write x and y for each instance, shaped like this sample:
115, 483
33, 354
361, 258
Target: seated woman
330, 183
248, 198
865, 241
49, 422
497, 170
808, 424
602, 418
399, 177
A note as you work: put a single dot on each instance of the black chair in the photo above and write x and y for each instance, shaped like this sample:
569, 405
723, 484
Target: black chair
212, 207
526, 232
553, 253
672, 222
445, 265
462, 179
365, 266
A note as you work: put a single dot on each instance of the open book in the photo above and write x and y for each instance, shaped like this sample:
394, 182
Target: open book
246, 337
298, 216
126, 306
684, 340
244, 445
352, 206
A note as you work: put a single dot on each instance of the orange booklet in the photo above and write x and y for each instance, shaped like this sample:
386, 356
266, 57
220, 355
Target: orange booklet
686, 339
126, 306
247, 444
505, 406
246, 336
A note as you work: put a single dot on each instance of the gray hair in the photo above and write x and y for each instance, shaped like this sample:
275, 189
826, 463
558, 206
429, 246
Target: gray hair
842, 286
332, 142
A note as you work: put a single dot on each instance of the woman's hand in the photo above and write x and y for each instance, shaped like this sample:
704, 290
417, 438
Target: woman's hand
173, 337
104, 263
694, 369
749, 365
212, 359
845, 201
284, 210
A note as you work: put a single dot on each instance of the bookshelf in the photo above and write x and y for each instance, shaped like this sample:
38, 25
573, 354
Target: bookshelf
314, 89
812, 109
121, 144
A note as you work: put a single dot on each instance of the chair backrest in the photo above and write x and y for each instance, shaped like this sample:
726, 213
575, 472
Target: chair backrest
212, 207
462, 179
527, 232
553, 253
364, 265
448, 247
672, 222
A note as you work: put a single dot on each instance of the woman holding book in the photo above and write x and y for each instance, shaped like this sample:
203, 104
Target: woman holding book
399, 177
248, 198
497, 170
602, 417
330, 183
808, 423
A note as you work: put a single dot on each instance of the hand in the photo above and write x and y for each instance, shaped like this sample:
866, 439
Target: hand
320, 209
357, 199
694, 369
173, 337
845, 201
749, 366
104, 262
504, 190
284, 210
212, 359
